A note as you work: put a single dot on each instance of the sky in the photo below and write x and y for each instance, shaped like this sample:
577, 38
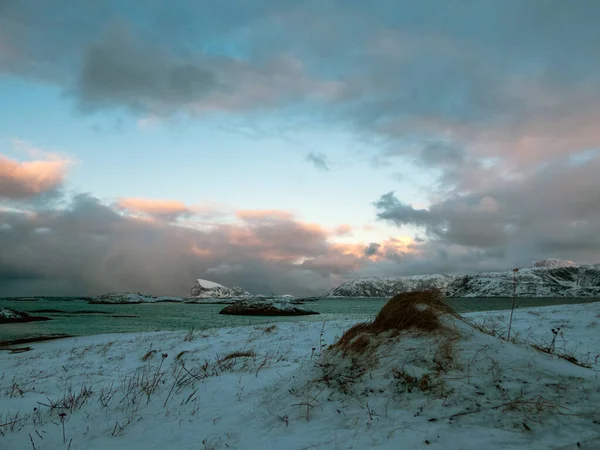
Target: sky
288, 146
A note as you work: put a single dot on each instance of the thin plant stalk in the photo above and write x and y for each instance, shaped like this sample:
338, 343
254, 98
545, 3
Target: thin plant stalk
512, 310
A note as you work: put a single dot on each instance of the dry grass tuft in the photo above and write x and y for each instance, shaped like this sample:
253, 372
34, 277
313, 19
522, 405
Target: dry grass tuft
240, 354
419, 311
269, 329
561, 354
148, 355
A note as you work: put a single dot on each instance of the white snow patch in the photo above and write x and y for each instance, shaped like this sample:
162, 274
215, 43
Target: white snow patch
132, 391
207, 284
6, 313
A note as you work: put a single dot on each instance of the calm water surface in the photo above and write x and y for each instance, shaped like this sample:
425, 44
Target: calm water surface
179, 316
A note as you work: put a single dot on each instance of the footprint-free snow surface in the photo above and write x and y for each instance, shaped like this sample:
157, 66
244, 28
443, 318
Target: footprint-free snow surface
279, 387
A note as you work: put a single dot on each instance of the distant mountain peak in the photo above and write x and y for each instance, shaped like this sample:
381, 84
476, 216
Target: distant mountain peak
546, 278
207, 284
210, 289
553, 263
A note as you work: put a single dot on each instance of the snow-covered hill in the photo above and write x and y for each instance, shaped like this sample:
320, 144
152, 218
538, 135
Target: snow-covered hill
547, 278
210, 289
390, 286
536, 281
131, 297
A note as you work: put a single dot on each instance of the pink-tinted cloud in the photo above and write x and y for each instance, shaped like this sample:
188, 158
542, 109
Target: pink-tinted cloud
263, 214
166, 209
343, 230
106, 251
23, 180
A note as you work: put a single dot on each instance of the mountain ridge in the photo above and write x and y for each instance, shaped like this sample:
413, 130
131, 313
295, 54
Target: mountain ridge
546, 278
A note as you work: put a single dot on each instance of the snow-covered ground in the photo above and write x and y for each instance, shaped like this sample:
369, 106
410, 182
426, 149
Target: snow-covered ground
278, 386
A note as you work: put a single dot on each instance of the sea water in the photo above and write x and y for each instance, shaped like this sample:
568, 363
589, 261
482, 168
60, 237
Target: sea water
124, 318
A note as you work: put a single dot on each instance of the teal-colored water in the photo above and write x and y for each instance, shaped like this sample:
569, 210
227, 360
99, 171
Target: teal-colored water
180, 316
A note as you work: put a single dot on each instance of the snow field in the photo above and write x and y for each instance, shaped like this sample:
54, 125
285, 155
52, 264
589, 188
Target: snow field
279, 386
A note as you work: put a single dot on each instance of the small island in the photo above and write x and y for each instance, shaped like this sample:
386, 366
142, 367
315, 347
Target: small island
129, 298
265, 307
8, 315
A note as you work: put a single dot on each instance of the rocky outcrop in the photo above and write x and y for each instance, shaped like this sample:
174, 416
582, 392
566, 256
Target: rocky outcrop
265, 308
8, 315
210, 289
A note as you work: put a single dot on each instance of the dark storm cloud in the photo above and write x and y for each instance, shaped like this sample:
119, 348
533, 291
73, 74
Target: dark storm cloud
120, 70
441, 154
89, 248
454, 61
319, 160
372, 249
552, 212
392, 209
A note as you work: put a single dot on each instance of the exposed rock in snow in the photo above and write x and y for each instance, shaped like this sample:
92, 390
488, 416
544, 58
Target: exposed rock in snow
8, 315
265, 307
210, 289
547, 278
129, 297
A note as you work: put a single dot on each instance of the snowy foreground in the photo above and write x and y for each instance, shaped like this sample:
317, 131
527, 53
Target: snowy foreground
279, 387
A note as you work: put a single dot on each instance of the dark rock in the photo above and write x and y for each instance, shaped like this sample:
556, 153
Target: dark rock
265, 308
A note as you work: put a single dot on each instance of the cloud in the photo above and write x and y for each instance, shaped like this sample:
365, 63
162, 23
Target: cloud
224, 269
88, 248
456, 63
122, 70
441, 154
343, 230
550, 213
166, 209
25, 180
263, 214
392, 209
440, 86
495, 102
319, 160
372, 249
147, 123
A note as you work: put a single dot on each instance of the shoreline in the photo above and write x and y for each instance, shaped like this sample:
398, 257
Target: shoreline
32, 340
469, 315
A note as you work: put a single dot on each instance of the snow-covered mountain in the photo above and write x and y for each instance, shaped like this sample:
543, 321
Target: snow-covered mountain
536, 281
390, 286
131, 297
553, 263
547, 278
210, 289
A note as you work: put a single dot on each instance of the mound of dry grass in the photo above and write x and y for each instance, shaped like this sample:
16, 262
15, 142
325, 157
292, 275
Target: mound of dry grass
419, 311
